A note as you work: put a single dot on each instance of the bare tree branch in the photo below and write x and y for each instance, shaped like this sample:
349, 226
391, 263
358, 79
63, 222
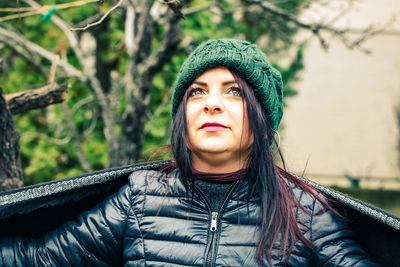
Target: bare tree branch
100, 20
92, 125
130, 29
53, 68
158, 11
160, 109
58, 6
144, 33
67, 139
37, 98
76, 139
32, 58
138, 49
88, 75
34, 48
318, 28
72, 37
29, 11
370, 32
25, 14
82, 103
87, 21
89, 71
175, 6
162, 55
107, 111
50, 139
78, 106
75, 136
195, 9
140, 88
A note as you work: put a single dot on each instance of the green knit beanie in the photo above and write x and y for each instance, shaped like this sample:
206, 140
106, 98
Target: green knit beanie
243, 58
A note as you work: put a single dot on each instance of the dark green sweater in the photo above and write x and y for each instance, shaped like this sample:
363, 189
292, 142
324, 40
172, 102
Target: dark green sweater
214, 192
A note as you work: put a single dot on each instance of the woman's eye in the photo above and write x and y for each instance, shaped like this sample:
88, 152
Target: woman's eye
196, 91
234, 91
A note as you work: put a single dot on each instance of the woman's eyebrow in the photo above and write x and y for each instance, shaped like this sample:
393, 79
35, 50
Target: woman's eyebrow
200, 83
228, 82
205, 84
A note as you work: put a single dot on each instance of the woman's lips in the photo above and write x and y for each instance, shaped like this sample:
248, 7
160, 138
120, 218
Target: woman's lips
212, 127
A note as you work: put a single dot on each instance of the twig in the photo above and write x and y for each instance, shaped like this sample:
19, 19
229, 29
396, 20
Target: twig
171, 40
50, 139
195, 9
88, 20
157, 112
175, 6
317, 28
58, 6
18, 9
92, 126
100, 20
137, 48
370, 32
64, 26
142, 40
53, 68
34, 48
81, 103
76, 139
89, 75
32, 58
129, 29
30, 11
19, 15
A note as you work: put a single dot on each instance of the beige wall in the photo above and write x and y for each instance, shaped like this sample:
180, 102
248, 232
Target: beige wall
343, 120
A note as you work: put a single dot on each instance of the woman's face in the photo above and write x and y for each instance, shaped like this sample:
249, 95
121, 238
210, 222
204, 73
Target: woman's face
216, 117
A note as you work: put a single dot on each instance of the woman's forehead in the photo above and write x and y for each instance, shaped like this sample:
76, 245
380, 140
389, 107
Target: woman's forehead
218, 74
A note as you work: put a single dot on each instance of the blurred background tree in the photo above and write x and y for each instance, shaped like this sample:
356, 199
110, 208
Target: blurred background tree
121, 70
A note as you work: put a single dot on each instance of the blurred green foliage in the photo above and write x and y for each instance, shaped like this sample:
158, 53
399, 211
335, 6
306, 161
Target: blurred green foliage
46, 151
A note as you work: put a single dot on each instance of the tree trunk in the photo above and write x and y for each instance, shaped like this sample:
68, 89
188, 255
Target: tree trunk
10, 164
142, 71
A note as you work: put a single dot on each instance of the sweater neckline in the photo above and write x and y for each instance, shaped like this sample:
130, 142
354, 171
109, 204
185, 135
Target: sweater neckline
220, 178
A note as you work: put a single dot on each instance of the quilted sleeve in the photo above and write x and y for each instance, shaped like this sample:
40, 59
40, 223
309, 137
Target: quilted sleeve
95, 238
335, 243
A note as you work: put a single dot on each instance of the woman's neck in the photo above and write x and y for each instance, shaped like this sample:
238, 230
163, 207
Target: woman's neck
215, 165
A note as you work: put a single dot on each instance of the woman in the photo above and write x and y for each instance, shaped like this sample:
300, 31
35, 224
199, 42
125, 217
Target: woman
223, 202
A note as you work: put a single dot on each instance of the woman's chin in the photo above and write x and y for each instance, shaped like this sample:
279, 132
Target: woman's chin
214, 146
216, 153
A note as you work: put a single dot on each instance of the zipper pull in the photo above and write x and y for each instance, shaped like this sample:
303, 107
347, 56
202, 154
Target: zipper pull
214, 216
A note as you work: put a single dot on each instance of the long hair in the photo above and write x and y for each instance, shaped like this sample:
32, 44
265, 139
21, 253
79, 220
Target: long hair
277, 214
277, 217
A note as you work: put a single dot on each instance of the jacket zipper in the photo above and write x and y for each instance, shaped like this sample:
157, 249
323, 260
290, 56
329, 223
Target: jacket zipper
214, 216
213, 229
214, 222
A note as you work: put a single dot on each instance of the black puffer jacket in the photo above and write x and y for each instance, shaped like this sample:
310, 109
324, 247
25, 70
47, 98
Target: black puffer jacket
130, 228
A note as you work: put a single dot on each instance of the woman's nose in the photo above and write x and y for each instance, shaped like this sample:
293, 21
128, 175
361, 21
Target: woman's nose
213, 104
